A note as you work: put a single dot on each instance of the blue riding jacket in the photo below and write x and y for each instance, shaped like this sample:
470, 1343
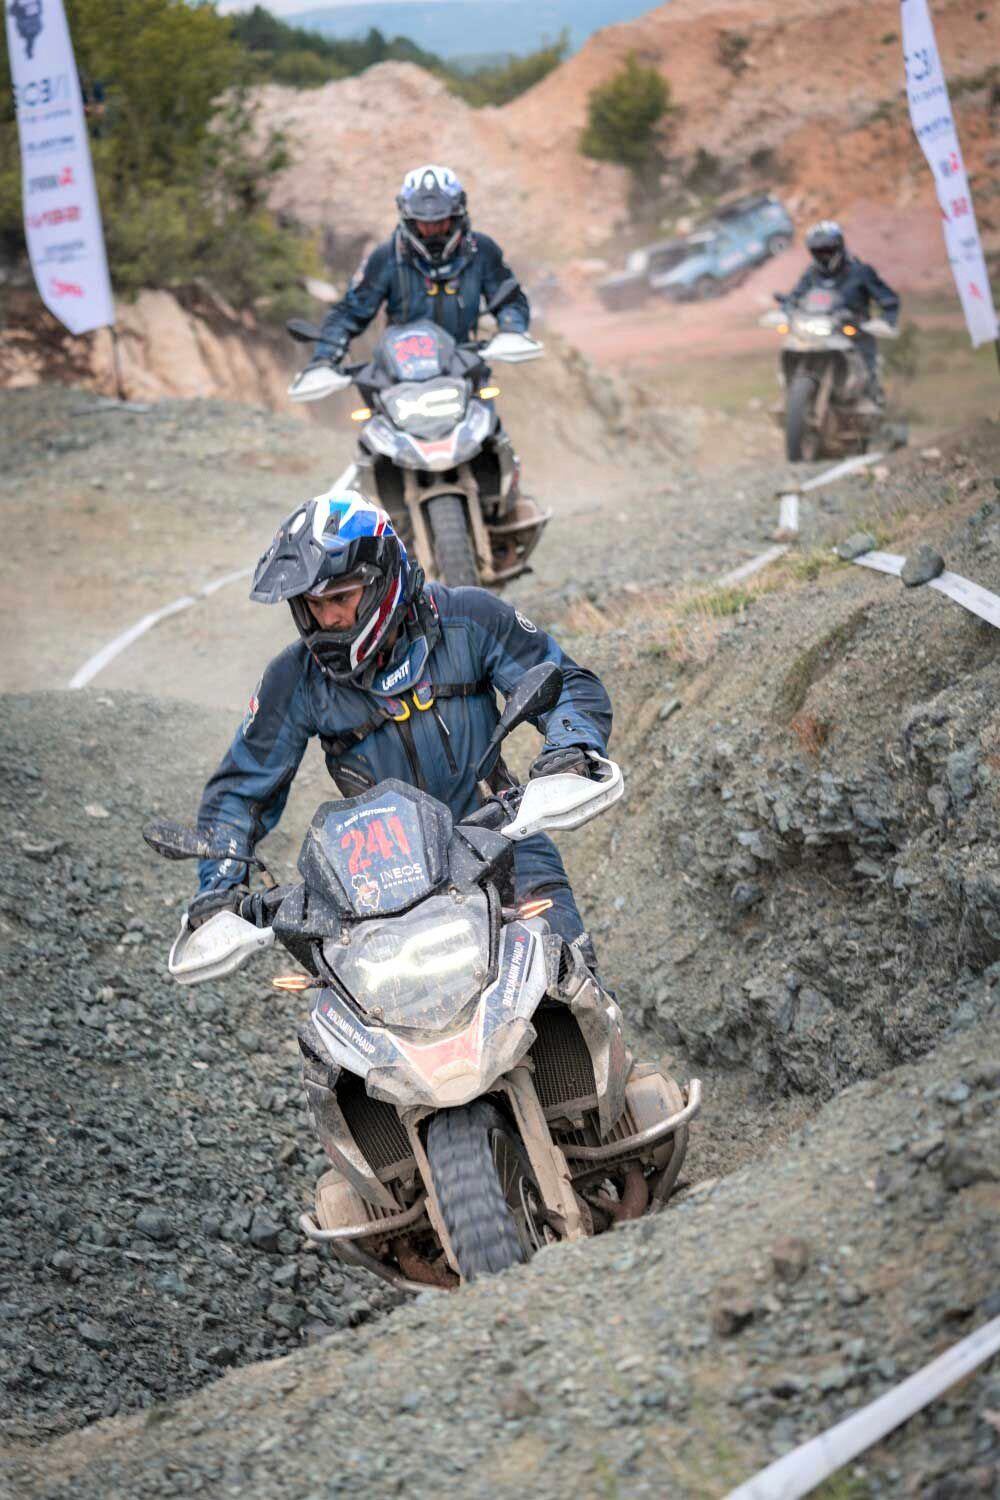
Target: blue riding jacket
427, 720
452, 298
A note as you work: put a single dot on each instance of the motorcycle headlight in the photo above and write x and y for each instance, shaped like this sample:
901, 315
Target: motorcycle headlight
419, 969
819, 327
429, 409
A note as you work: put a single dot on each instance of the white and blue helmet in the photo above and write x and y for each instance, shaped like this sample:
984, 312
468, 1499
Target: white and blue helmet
432, 195
336, 542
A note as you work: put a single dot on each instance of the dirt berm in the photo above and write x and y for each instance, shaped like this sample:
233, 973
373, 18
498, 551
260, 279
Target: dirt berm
800, 899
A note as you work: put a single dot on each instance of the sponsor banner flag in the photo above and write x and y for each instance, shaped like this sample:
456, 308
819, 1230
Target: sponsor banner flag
62, 217
934, 126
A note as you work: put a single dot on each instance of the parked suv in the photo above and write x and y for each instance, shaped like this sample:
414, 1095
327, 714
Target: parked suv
707, 262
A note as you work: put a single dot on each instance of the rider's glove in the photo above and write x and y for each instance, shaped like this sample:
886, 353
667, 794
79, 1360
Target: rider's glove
262, 907
207, 903
567, 759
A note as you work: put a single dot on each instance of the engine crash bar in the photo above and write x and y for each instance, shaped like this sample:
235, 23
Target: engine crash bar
387, 1225
642, 1138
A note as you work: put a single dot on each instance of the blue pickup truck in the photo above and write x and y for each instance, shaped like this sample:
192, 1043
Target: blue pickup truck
707, 262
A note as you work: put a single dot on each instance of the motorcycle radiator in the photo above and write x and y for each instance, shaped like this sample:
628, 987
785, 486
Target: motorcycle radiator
564, 1072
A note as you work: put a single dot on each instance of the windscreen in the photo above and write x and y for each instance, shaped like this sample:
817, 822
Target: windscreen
377, 853
420, 969
417, 352
819, 300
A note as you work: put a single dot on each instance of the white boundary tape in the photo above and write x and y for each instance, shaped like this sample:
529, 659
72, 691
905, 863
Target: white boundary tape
800, 1471
847, 466
971, 596
748, 569
788, 500
788, 514
107, 653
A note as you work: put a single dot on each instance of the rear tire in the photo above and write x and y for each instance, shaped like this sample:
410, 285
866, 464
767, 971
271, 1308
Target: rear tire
485, 1188
798, 438
705, 287
777, 243
454, 554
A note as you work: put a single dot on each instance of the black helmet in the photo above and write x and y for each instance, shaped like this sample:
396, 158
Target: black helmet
825, 243
334, 543
432, 195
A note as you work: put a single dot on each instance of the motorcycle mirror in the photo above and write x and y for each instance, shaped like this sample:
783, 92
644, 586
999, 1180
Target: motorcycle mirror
304, 331
175, 841
536, 693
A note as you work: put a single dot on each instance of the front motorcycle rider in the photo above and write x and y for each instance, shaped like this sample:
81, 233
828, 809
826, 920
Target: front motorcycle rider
434, 267
396, 679
855, 283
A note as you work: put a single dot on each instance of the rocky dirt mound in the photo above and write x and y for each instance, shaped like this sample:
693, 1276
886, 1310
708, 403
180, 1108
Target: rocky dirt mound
156, 1151
815, 790
354, 140
200, 347
677, 1354
778, 97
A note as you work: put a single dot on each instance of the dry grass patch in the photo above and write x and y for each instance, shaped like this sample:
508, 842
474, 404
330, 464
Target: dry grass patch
685, 624
811, 733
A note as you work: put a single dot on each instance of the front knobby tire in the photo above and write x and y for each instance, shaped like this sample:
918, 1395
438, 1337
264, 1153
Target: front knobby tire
454, 555
485, 1188
799, 440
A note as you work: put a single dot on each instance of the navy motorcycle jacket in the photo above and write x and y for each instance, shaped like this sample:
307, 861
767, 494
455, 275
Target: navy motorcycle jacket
427, 720
856, 283
390, 275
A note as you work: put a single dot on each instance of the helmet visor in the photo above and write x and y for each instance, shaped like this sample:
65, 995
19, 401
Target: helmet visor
331, 588
828, 257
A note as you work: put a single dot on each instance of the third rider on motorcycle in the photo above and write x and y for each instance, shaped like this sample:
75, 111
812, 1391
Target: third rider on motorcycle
856, 284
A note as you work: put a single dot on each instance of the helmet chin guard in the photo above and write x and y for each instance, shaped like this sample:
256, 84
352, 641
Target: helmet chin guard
825, 243
340, 535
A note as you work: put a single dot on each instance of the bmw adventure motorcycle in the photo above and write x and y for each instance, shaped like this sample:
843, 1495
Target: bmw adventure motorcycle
467, 1072
828, 407
432, 451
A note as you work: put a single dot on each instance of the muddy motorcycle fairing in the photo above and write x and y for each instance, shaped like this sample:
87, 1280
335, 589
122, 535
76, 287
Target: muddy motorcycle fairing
828, 406
466, 1070
432, 452
559, 1062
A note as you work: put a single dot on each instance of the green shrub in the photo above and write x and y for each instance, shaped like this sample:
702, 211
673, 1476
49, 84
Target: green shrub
181, 182
623, 115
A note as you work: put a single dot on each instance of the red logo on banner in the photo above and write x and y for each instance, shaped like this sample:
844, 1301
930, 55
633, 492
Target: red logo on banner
54, 216
65, 288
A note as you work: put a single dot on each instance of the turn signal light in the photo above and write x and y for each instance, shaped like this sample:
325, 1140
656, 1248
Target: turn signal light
293, 982
850, 330
361, 414
782, 327
488, 392
534, 908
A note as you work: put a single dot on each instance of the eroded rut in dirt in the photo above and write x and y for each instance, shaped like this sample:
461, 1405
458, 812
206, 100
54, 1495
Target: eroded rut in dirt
802, 892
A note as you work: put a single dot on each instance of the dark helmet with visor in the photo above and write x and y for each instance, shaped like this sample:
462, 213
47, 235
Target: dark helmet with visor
432, 195
331, 545
825, 243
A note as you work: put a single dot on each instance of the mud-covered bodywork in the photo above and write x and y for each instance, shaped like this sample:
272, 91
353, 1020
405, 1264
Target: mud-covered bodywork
439, 1009
430, 430
453, 1044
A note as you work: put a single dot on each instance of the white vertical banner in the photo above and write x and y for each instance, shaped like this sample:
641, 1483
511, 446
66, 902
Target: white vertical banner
934, 127
62, 217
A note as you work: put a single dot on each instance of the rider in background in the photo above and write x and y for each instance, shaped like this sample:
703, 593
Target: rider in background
856, 284
433, 267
